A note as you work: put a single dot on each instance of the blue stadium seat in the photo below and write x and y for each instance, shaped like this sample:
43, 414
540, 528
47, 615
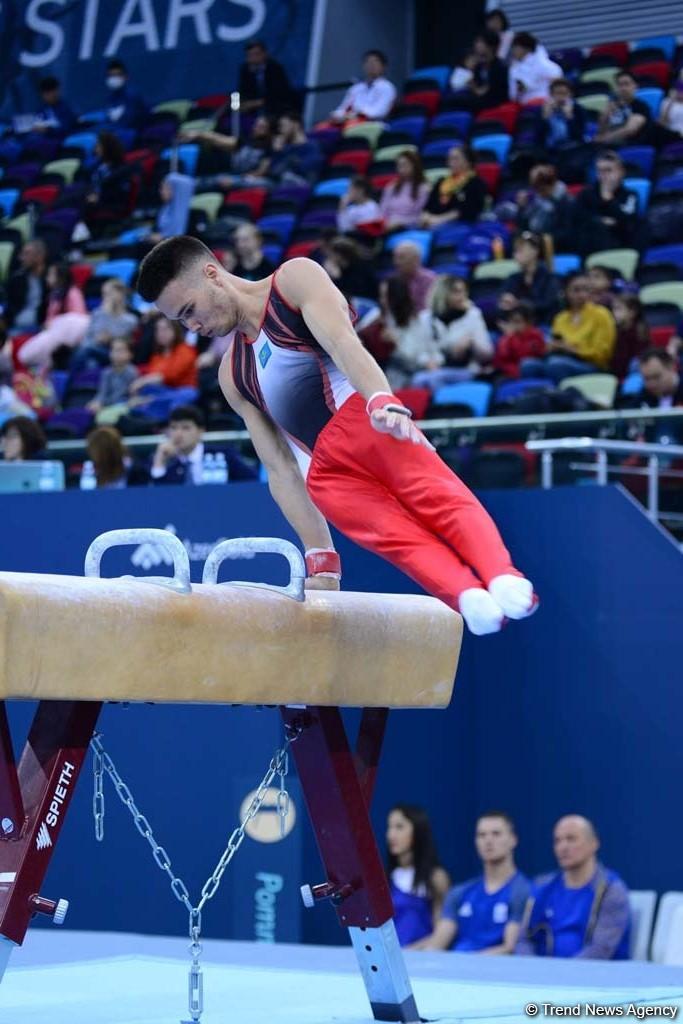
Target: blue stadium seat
94, 117
125, 269
8, 197
439, 147
670, 183
651, 95
498, 144
332, 187
642, 187
566, 263
440, 73
667, 44
642, 156
510, 389
423, 239
633, 384
475, 393
413, 126
273, 253
664, 254
451, 234
280, 224
82, 140
188, 155
459, 120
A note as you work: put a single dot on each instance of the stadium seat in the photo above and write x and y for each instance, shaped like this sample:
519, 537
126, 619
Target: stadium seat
358, 159
81, 272
415, 399
66, 167
440, 73
599, 388
593, 104
439, 147
423, 239
187, 155
667, 45
632, 385
642, 157
208, 203
475, 394
179, 107
213, 101
302, 248
668, 904
669, 183
670, 292
499, 145
652, 96
279, 224
673, 952
254, 198
508, 390
642, 903
369, 130
506, 114
391, 152
411, 126
642, 188
427, 99
618, 50
450, 234
500, 269
606, 76
566, 263
657, 71
660, 315
332, 187
6, 254
8, 200
85, 141
624, 261
23, 224
664, 254
434, 174
459, 120
490, 175
125, 269
45, 195
94, 119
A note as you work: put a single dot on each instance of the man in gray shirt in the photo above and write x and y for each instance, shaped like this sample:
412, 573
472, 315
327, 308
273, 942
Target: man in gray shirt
116, 379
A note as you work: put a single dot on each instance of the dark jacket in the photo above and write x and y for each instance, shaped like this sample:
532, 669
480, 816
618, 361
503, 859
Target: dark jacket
112, 185
560, 132
468, 201
622, 209
16, 292
238, 469
543, 293
272, 86
126, 108
58, 117
495, 77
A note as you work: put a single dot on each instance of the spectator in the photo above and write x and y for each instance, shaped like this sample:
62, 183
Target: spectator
561, 132
484, 914
531, 70
671, 112
247, 159
407, 258
488, 84
460, 332
111, 319
418, 882
296, 159
601, 285
582, 910
125, 107
371, 99
66, 322
533, 282
109, 458
352, 272
55, 116
176, 191
633, 335
114, 392
582, 341
519, 340
625, 120
404, 198
251, 264
179, 459
63, 295
109, 196
23, 440
357, 207
460, 195
661, 380
498, 21
10, 403
411, 347
264, 87
607, 212
173, 364
26, 301
545, 209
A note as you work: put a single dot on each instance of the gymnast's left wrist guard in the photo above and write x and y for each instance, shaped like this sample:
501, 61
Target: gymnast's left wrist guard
323, 562
385, 400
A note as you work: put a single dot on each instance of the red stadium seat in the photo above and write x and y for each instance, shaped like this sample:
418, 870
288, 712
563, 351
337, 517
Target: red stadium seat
490, 175
254, 198
380, 180
658, 70
43, 194
302, 248
213, 102
359, 159
415, 399
659, 336
428, 99
618, 50
146, 159
506, 113
81, 272
575, 189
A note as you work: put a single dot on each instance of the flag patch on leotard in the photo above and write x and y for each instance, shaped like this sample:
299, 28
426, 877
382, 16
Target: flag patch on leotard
264, 354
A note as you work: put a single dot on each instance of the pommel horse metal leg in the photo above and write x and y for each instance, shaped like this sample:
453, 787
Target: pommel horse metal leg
337, 789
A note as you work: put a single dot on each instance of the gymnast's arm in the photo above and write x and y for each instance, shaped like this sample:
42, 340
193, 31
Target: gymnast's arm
284, 476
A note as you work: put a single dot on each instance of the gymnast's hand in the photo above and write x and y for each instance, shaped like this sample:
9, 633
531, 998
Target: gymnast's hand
400, 426
321, 583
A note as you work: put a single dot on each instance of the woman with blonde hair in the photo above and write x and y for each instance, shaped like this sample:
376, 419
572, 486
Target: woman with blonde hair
458, 327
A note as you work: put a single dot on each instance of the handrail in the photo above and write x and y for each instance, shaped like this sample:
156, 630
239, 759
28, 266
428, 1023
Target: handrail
472, 424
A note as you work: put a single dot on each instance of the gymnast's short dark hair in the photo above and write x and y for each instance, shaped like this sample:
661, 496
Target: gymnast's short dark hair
168, 260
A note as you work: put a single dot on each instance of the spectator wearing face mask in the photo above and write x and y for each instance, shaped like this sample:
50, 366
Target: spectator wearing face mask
125, 107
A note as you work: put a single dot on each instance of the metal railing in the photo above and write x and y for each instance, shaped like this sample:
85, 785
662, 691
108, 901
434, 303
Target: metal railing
601, 467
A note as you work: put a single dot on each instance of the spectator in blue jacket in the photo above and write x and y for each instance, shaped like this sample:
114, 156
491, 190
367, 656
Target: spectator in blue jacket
179, 458
296, 158
582, 910
483, 915
55, 116
125, 107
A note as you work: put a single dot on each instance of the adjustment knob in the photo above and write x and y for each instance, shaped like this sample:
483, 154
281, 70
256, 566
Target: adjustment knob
60, 911
307, 897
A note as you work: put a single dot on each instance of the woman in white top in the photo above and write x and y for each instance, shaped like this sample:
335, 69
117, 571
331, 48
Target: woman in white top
415, 348
357, 206
460, 332
671, 113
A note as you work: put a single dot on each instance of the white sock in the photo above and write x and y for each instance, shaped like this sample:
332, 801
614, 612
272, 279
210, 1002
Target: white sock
480, 611
514, 594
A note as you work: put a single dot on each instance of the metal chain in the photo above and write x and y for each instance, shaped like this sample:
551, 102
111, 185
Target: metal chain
279, 765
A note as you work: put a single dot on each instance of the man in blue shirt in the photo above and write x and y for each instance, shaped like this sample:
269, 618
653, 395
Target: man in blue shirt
55, 115
582, 910
125, 107
484, 914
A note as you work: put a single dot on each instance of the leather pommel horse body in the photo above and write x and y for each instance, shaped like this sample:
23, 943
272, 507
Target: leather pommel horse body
74, 642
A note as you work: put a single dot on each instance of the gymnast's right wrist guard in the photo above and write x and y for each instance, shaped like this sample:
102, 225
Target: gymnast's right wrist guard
385, 400
323, 562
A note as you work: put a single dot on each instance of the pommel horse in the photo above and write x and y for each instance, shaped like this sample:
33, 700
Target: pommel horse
73, 642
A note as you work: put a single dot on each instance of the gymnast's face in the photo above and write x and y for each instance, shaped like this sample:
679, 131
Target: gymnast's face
202, 299
494, 839
399, 834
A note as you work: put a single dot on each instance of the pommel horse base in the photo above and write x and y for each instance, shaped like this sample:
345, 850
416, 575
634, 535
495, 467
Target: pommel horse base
61, 643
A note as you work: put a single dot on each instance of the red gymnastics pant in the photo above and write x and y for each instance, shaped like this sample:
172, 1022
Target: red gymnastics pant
401, 501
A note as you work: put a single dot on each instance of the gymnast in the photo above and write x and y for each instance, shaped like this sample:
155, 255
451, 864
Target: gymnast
337, 444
